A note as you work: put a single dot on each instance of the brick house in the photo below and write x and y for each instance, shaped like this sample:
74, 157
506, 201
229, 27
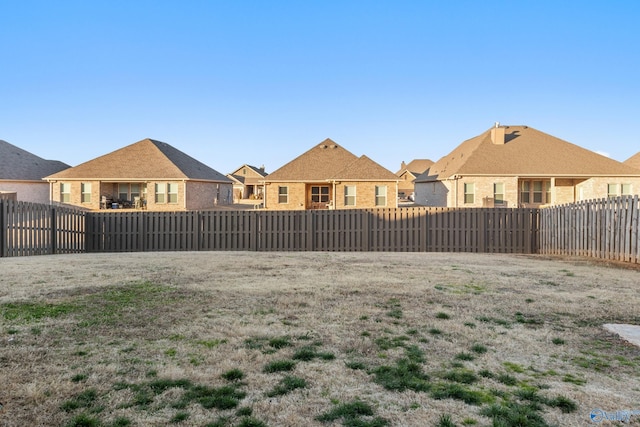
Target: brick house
22, 173
330, 177
146, 175
519, 166
247, 182
408, 173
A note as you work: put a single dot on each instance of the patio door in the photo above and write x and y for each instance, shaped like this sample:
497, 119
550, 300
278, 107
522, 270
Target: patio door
318, 197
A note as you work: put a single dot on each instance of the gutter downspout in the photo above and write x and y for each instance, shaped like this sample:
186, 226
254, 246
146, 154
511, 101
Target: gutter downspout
184, 202
455, 179
333, 201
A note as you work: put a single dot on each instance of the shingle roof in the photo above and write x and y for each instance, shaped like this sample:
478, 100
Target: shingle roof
633, 161
146, 159
329, 160
241, 178
17, 164
416, 166
526, 152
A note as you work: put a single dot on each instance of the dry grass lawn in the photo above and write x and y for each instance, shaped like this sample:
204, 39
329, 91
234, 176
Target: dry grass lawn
314, 339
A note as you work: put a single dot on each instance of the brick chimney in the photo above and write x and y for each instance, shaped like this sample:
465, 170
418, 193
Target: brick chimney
497, 134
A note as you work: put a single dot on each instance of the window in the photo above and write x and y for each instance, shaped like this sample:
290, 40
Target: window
537, 191
65, 192
349, 195
524, 192
381, 195
172, 192
123, 191
85, 189
469, 192
283, 194
135, 191
498, 193
615, 190
160, 192
547, 191
320, 194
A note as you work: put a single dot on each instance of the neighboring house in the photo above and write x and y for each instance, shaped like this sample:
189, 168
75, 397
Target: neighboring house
247, 182
408, 173
21, 174
330, 177
514, 166
152, 173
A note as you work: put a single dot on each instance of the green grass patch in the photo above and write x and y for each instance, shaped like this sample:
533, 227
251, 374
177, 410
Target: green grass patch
445, 421
85, 399
286, 385
465, 356
84, 420
352, 414
404, 375
211, 343
460, 392
179, 417
513, 367
514, 414
386, 343
251, 422
463, 376
279, 366
33, 311
479, 348
507, 379
442, 315
233, 375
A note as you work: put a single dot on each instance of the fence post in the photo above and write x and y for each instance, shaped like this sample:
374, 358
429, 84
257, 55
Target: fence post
3, 229
54, 232
88, 232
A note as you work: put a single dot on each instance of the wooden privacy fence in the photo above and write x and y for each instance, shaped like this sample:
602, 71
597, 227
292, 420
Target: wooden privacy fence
402, 229
35, 229
30, 229
607, 229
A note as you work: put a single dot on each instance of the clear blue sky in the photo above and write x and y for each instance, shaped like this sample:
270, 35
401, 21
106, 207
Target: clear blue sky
260, 82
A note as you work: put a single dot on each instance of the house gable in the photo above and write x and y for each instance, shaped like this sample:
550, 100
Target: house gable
247, 172
321, 162
415, 167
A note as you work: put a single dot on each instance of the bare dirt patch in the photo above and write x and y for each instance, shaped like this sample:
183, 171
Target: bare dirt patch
314, 339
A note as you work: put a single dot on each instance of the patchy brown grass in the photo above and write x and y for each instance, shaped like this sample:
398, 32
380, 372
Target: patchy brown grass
290, 339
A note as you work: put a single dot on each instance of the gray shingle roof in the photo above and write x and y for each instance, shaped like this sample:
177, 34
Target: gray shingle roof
146, 159
17, 164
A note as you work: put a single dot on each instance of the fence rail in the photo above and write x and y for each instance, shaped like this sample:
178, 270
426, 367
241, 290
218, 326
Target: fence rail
606, 229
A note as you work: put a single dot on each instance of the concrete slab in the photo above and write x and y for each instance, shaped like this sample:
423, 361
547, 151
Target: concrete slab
630, 333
